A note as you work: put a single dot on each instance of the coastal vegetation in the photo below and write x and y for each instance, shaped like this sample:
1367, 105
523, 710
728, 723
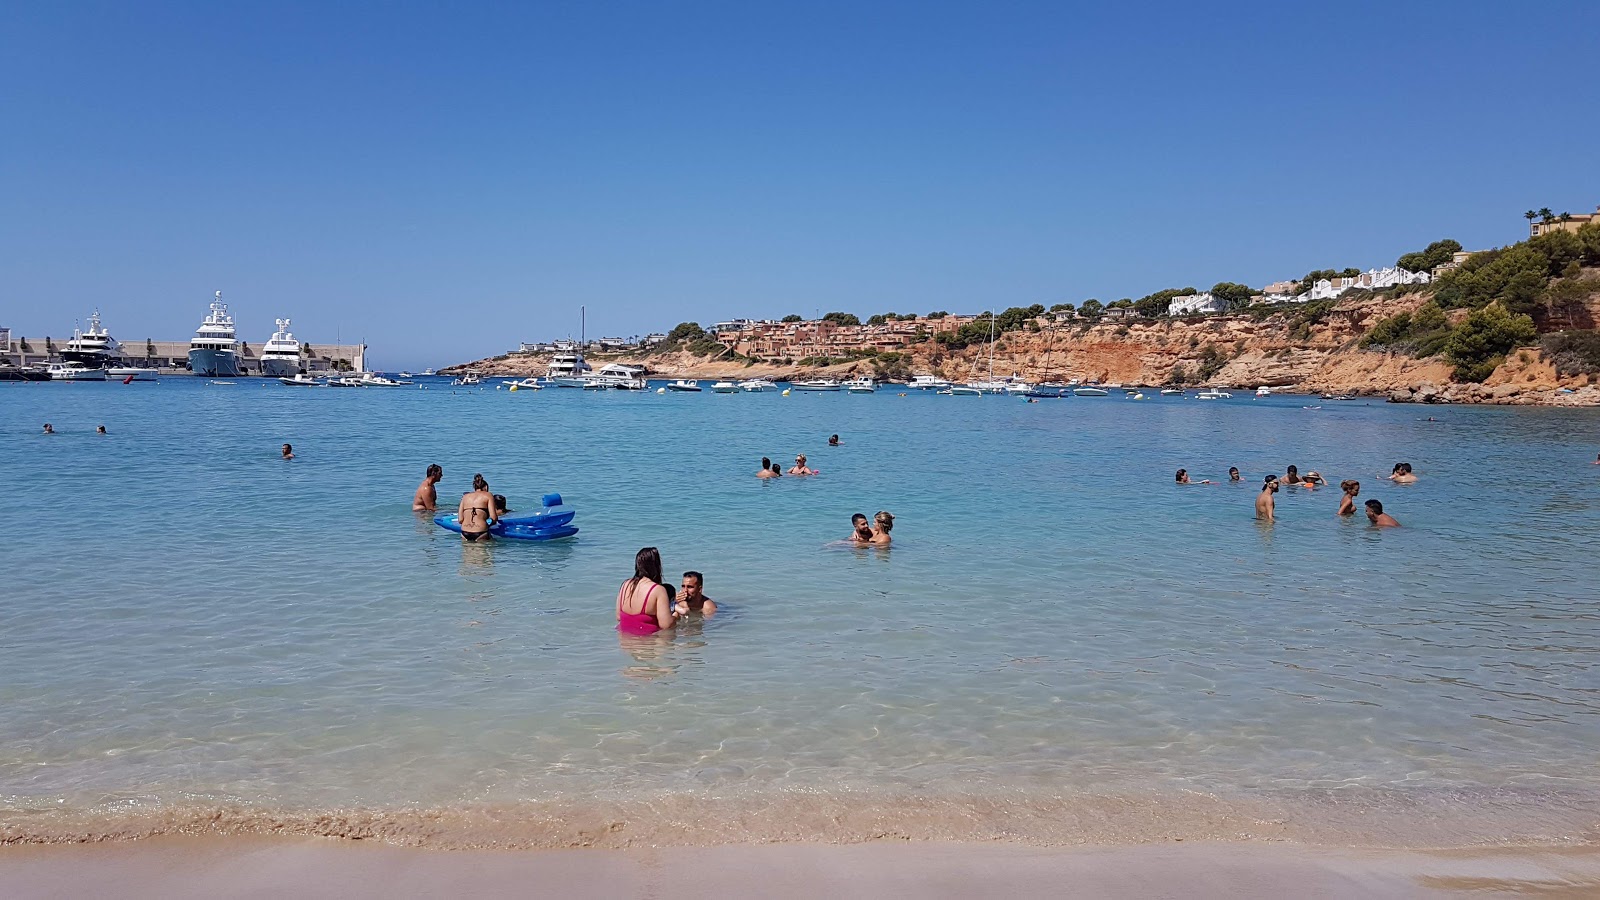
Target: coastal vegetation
1573, 352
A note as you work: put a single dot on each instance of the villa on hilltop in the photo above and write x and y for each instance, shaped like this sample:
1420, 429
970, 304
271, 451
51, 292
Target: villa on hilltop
1563, 222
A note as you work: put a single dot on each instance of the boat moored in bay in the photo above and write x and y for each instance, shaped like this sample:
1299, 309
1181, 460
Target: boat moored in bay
214, 351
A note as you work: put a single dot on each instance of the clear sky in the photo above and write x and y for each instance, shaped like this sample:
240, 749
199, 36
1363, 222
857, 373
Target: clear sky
444, 180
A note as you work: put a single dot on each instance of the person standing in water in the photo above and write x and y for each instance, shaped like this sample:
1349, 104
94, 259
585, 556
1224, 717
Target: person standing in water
1378, 517
49, 429
692, 595
800, 467
883, 523
642, 604
833, 441
1347, 503
1233, 474
476, 512
288, 451
860, 529
766, 469
426, 499
1265, 504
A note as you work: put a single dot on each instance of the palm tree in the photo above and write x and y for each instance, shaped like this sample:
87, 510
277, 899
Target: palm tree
1530, 215
1565, 217
1545, 214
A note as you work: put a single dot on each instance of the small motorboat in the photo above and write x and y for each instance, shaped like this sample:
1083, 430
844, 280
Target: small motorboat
690, 387
373, 379
346, 381
526, 384
1213, 394
1090, 392
724, 387
131, 373
74, 371
1041, 393
300, 380
862, 385
817, 384
1264, 391
1337, 397
467, 380
756, 386
1167, 392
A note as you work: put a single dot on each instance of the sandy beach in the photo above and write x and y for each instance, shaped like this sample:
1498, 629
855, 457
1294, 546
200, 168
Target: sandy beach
172, 868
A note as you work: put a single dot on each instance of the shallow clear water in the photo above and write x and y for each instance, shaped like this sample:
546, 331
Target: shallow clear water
189, 619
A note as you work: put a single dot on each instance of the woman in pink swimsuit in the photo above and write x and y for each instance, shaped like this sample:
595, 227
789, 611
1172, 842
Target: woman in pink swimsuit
642, 604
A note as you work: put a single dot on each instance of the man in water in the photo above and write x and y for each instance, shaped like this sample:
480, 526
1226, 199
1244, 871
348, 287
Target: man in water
833, 441
288, 451
861, 532
49, 429
1265, 504
800, 467
1378, 517
476, 512
777, 470
100, 429
693, 594
766, 469
1233, 474
1402, 474
500, 507
426, 499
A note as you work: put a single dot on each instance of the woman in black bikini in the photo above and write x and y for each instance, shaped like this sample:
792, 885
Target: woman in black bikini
476, 512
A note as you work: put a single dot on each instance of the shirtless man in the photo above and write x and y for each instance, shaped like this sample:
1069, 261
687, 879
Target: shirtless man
800, 467
1378, 517
1233, 474
1265, 504
693, 595
49, 429
476, 511
766, 469
1402, 474
862, 529
288, 451
427, 496
100, 429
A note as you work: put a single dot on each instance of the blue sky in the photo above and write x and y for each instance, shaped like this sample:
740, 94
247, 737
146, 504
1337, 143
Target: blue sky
443, 180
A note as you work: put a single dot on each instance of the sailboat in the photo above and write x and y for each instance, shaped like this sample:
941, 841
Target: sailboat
992, 385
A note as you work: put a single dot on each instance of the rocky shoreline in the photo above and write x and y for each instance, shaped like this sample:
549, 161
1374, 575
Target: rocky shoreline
1283, 351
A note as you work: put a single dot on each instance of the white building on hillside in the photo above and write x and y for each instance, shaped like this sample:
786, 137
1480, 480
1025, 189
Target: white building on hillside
1196, 304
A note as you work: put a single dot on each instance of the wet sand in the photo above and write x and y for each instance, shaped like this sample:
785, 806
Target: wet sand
313, 868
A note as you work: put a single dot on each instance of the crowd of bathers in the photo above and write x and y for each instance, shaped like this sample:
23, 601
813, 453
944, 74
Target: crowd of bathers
1266, 504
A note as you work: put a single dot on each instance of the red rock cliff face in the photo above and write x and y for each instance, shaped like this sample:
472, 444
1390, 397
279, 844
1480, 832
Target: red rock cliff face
1283, 350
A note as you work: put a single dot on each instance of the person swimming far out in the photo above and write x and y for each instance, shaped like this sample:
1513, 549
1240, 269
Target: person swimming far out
49, 429
427, 496
833, 441
476, 511
1347, 503
288, 451
643, 606
1266, 506
1183, 478
767, 469
100, 429
1233, 474
1378, 517
800, 467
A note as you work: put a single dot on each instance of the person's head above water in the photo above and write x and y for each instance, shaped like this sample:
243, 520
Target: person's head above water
1350, 487
884, 520
858, 522
288, 450
1293, 470
1233, 473
777, 469
1181, 473
435, 472
49, 429
766, 463
99, 429
1398, 468
1271, 484
478, 484
800, 460
500, 504
833, 441
693, 583
647, 564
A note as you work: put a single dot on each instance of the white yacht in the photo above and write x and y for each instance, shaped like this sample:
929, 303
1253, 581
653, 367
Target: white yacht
300, 379
818, 384
692, 387
280, 357
756, 385
92, 349
1090, 392
928, 383
618, 376
963, 390
567, 370
74, 371
1169, 391
467, 380
132, 373
527, 384
1213, 394
863, 384
1264, 391
214, 350
725, 387
428, 371
373, 379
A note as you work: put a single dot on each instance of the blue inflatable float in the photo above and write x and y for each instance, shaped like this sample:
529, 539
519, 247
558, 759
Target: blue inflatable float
552, 521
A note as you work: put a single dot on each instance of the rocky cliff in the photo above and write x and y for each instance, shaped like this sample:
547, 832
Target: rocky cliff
1290, 349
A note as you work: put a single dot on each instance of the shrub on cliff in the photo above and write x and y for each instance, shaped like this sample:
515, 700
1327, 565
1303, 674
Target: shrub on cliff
1573, 352
1421, 333
1478, 345
1437, 254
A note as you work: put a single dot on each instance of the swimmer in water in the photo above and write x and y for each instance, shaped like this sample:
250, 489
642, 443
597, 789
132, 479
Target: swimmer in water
1183, 478
693, 596
426, 499
1347, 503
777, 470
833, 441
288, 451
766, 469
1265, 504
1292, 477
860, 530
1313, 479
800, 467
1402, 474
476, 512
1378, 517
49, 429
644, 606
500, 508
1233, 474
883, 523
100, 429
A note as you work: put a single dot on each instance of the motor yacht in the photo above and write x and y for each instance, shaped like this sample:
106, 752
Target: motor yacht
567, 370
692, 387
1213, 394
1264, 391
214, 351
928, 383
280, 356
373, 379
94, 348
618, 376
725, 387
756, 385
74, 371
817, 384
1090, 392
470, 379
863, 384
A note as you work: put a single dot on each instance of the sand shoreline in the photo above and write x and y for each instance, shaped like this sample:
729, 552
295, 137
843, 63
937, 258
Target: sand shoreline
308, 867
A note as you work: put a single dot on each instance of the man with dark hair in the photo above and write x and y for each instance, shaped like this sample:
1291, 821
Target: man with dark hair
767, 469
427, 496
1266, 506
1378, 517
693, 593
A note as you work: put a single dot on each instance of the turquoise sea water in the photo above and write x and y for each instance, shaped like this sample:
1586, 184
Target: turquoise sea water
192, 623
